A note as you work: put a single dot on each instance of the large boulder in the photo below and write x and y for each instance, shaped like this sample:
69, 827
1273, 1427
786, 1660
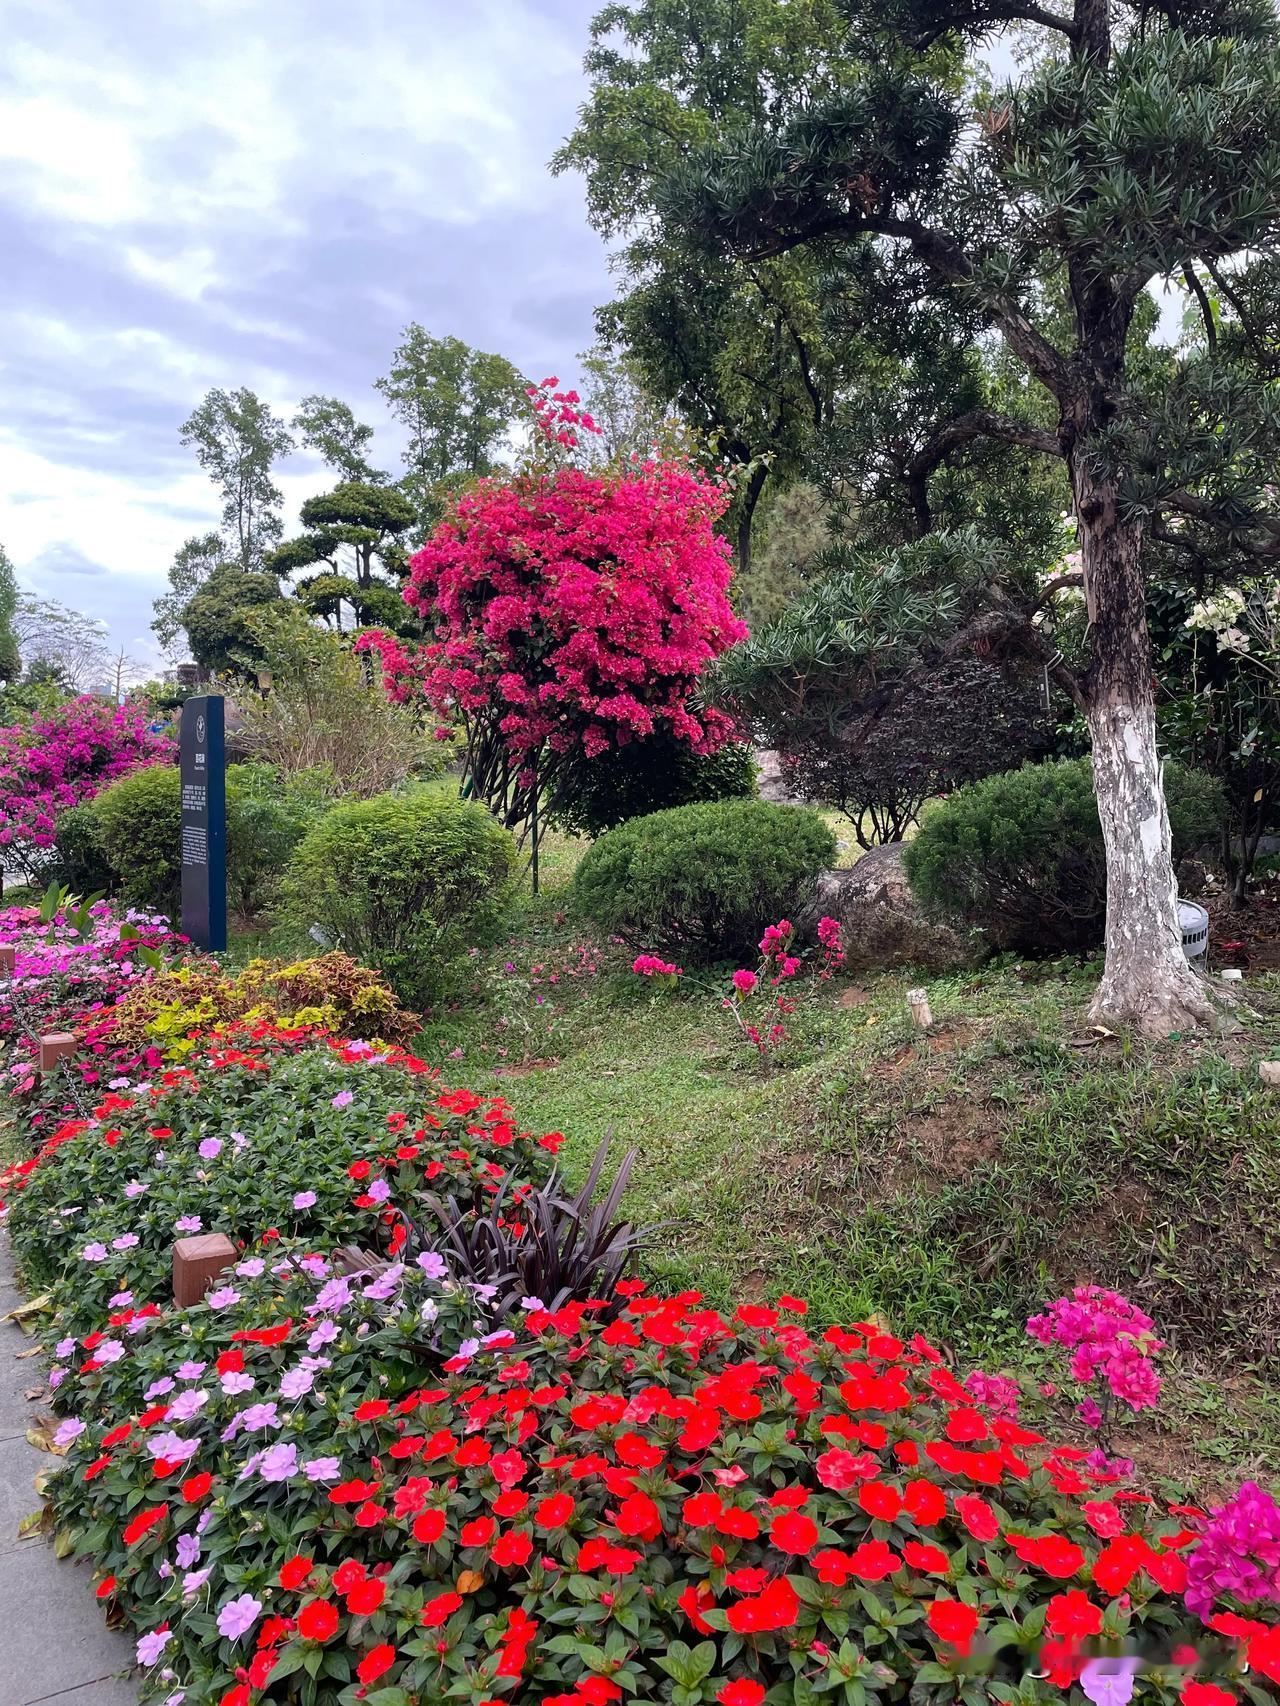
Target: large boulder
882, 923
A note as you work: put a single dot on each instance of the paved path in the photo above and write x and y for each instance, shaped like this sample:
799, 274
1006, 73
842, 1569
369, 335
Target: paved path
55, 1649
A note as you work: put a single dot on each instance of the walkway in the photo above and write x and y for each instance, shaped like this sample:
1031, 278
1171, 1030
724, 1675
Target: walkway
55, 1649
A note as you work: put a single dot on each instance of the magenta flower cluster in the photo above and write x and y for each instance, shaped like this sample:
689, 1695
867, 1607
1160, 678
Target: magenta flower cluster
1238, 1555
63, 759
1110, 1340
654, 966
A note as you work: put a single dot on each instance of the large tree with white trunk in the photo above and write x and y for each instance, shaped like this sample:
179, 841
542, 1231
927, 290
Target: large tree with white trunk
1141, 143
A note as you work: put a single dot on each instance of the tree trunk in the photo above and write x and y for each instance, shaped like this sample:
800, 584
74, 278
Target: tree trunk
1146, 980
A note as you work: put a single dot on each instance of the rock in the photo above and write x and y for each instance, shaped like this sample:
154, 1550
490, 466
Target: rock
770, 782
1269, 1072
882, 924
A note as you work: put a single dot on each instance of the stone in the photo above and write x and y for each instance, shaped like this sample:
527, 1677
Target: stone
56, 1046
770, 782
881, 922
197, 1263
1269, 1072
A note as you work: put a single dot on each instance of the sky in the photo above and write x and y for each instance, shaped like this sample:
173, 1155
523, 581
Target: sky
199, 193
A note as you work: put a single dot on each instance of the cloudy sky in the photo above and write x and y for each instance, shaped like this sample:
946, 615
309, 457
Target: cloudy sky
257, 192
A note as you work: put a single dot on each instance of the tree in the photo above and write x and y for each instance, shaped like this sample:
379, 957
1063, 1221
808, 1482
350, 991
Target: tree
572, 613
191, 567
218, 618
456, 404
735, 345
1122, 154
366, 521
53, 638
10, 659
328, 426
237, 441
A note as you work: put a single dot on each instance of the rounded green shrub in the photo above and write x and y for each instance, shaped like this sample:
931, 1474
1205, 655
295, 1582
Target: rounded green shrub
78, 859
402, 881
702, 881
1020, 856
138, 825
650, 775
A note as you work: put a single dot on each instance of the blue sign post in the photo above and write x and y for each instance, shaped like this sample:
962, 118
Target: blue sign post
204, 821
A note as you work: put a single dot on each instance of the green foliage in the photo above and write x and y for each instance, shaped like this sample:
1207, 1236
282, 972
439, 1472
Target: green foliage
218, 618
1020, 856
403, 881
702, 881
456, 404
329, 427
649, 776
323, 713
10, 661
365, 520
78, 858
137, 826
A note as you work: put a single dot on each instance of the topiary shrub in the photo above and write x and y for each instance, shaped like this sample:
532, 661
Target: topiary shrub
1020, 856
402, 881
650, 775
702, 881
138, 823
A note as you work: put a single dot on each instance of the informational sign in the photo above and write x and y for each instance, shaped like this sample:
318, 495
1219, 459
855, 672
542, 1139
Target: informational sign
204, 821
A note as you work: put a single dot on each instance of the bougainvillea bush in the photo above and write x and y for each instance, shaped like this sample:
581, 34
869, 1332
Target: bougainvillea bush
572, 613
265, 1129
61, 760
331, 1489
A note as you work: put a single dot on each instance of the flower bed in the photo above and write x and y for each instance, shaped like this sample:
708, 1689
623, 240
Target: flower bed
321, 1487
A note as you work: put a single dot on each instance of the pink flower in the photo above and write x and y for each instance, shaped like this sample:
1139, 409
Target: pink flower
744, 981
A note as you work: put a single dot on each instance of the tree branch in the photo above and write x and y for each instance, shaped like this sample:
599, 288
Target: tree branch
1262, 541
1206, 307
942, 254
977, 423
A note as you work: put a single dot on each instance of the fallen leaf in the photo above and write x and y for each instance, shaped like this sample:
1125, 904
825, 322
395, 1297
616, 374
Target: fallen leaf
470, 1581
41, 1436
33, 1393
31, 1525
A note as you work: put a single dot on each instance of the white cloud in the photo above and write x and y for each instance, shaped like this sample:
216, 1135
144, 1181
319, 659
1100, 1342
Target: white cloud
229, 192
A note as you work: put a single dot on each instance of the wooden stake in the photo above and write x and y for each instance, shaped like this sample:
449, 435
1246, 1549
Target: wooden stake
197, 1263
918, 1001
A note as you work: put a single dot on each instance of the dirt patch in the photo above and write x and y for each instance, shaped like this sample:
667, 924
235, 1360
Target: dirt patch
954, 1139
522, 1069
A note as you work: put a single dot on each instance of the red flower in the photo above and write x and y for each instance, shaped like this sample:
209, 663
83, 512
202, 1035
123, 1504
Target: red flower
977, 1516
921, 1556
791, 1532
880, 1500
840, 1470
439, 1610
925, 1503
106, 1587
143, 1523
428, 1526
1205, 1694
318, 1620
376, 1663
777, 1607
638, 1517
294, 1571
1073, 1616
873, 1561
554, 1511
743, 1692
365, 1597
953, 1622
478, 1532
196, 1488
371, 1410
696, 1598
512, 1549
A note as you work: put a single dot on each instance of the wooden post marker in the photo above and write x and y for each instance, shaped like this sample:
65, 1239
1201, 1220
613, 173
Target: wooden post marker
8, 955
58, 1045
197, 1263
918, 1001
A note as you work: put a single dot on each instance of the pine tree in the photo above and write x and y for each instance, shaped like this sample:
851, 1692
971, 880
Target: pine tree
1142, 142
